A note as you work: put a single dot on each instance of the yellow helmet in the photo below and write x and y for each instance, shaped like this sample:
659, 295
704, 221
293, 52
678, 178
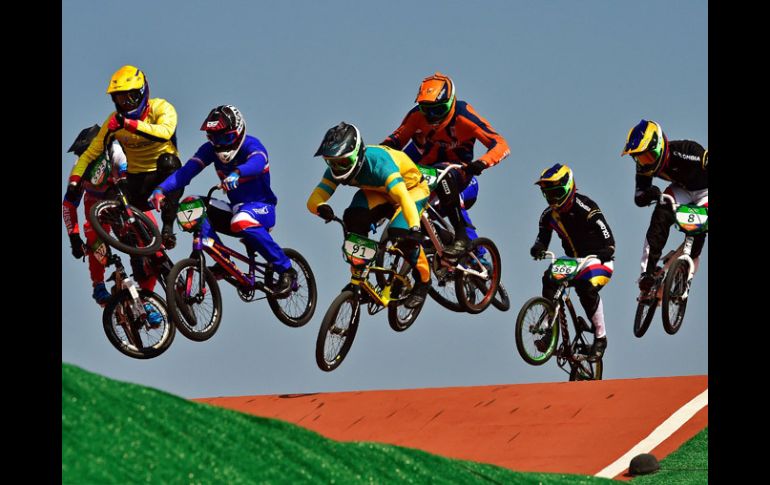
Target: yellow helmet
647, 145
129, 91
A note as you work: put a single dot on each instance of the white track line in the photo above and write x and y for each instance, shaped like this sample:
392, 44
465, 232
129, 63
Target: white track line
658, 435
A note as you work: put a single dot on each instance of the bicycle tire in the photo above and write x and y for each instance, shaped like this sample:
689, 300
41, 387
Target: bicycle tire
645, 310
467, 285
501, 301
188, 314
346, 335
523, 334
122, 235
138, 340
305, 280
673, 306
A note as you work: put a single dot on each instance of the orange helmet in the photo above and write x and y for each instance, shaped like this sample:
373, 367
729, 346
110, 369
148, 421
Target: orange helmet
436, 98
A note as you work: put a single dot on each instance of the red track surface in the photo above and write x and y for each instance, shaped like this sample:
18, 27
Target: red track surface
569, 427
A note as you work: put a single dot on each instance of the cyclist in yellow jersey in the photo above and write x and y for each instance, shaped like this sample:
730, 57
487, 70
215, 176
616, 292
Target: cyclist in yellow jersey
146, 129
390, 186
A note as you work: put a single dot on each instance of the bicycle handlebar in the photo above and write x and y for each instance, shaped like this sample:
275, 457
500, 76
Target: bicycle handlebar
581, 261
446, 171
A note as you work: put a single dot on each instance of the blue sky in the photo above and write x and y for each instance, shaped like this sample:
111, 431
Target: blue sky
561, 81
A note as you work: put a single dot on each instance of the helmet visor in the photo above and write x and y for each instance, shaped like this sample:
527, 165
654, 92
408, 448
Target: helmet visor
127, 100
554, 195
649, 158
223, 139
340, 165
434, 111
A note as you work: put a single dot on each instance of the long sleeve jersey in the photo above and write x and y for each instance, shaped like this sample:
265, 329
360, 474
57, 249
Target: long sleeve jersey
450, 142
582, 229
384, 170
251, 162
687, 166
153, 136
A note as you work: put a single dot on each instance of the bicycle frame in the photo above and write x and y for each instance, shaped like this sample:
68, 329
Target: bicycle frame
682, 252
562, 299
222, 254
360, 275
430, 217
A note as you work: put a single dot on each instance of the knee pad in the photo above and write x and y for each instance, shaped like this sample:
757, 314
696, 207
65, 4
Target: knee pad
357, 220
168, 163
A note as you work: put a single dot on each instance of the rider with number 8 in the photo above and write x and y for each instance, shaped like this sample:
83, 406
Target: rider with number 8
242, 164
684, 163
390, 186
583, 231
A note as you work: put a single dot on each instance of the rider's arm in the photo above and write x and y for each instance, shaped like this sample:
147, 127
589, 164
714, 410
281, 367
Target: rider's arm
322, 192
399, 138
164, 122
398, 191
189, 170
256, 164
544, 229
69, 208
596, 217
94, 150
497, 147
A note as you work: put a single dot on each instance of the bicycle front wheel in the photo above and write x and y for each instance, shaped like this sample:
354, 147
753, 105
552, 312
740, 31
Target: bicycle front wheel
338, 329
133, 335
475, 293
674, 302
111, 223
195, 303
296, 308
442, 285
537, 331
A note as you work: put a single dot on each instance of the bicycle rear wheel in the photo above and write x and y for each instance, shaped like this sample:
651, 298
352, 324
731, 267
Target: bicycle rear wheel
442, 285
645, 310
501, 301
537, 331
338, 330
399, 317
195, 303
674, 302
587, 371
111, 223
296, 308
132, 335
475, 293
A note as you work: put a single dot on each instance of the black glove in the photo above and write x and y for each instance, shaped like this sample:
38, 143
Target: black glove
475, 167
325, 212
78, 248
168, 238
648, 196
537, 250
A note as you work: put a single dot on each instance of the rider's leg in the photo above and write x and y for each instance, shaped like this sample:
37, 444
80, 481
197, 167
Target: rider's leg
253, 222
549, 286
449, 194
656, 237
412, 248
594, 276
95, 267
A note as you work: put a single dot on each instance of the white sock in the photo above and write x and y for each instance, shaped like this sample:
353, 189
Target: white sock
598, 320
